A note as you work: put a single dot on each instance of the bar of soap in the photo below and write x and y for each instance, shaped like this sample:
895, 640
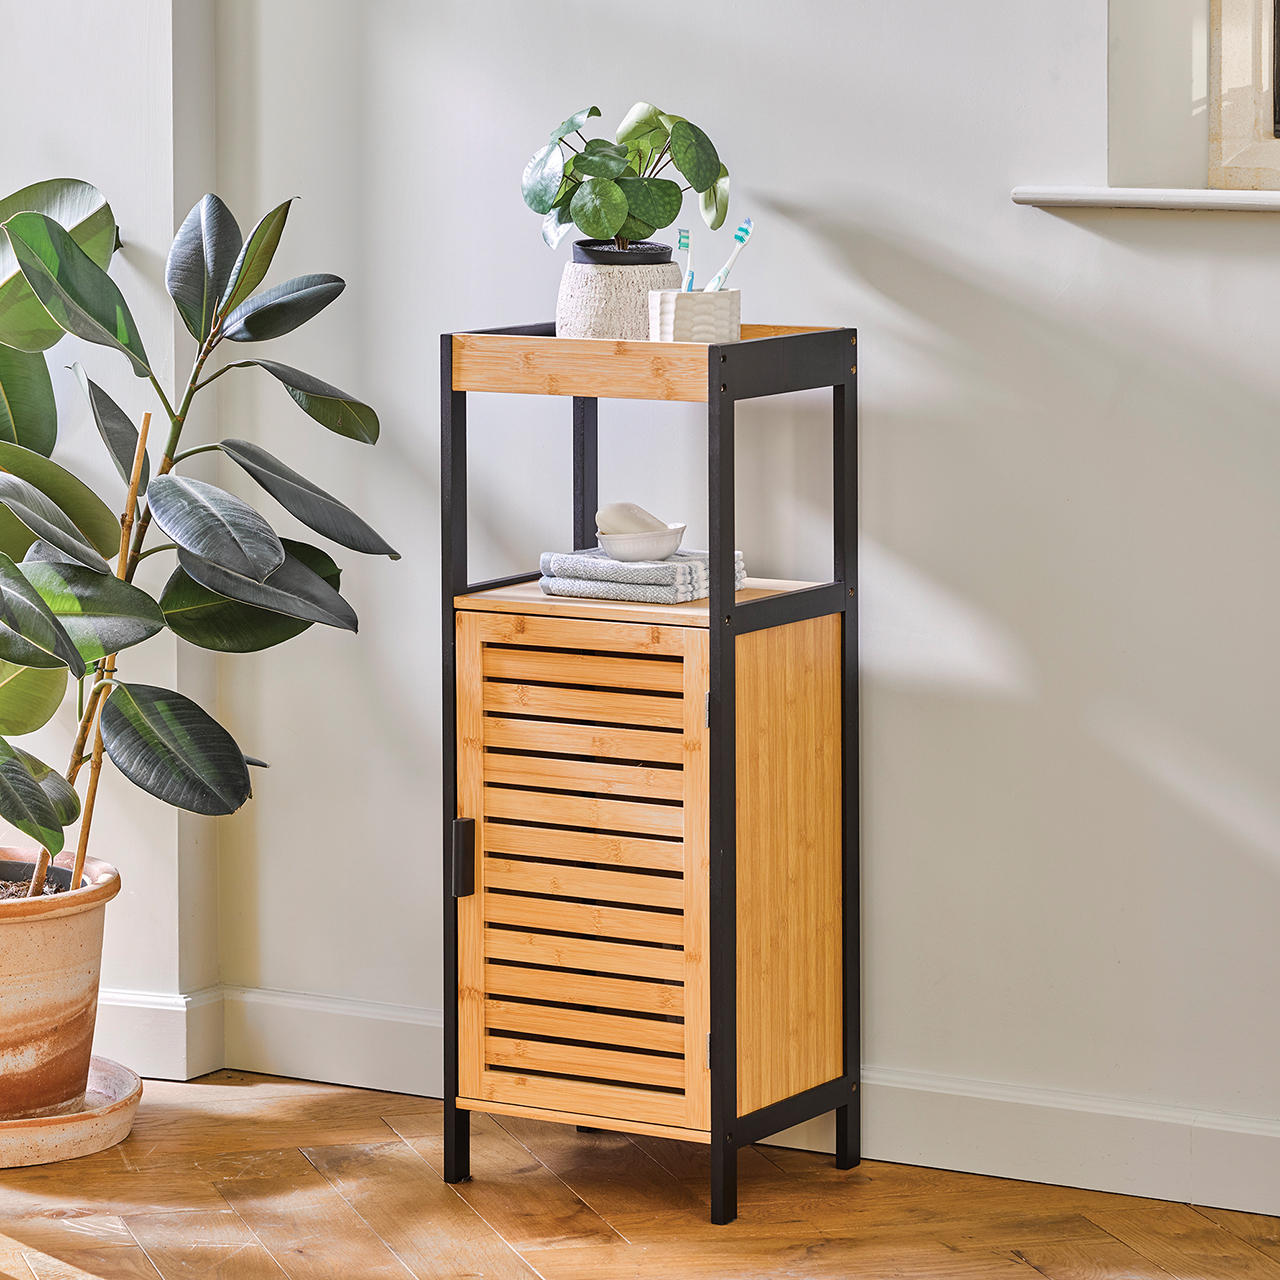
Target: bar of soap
626, 517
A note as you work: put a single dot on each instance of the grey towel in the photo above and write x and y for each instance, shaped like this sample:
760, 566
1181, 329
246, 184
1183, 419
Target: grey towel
682, 569
639, 592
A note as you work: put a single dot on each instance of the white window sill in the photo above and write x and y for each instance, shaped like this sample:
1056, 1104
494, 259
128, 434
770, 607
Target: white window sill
1146, 198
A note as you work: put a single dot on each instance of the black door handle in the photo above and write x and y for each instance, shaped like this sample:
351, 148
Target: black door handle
464, 857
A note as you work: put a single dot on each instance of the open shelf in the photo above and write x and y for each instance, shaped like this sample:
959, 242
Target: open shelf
1190, 198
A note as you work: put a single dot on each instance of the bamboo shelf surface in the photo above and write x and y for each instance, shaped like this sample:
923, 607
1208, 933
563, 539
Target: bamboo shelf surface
528, 597
606, 369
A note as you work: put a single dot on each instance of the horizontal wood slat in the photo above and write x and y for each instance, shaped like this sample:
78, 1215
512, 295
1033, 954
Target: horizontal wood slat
591, 1099
584, 704
584, 917
552, 666
584, 882
584, 953
583, 740
585, 811
619, 1123
584, 846
584, 988
569, 1059
585, 775
570, 633
581, 1024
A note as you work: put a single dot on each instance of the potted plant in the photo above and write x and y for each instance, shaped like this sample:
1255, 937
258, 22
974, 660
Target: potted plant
69, 604
618, 194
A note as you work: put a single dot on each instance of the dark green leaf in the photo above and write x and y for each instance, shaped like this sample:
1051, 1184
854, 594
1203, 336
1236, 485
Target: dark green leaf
165, 744
573, 124
213, 621
316, 509
83, 210
599, 208
29, 633
201, 259
215, 525
29, 696
281, 310
634, 229
117, 432
100, 613
45, 519
555, 226
656, 201
75, 291
540, 182
255, 257
641, 120
694, 155
293, 590
601, 159
86, 511
341, 413
714, 201
28, 412
23, 801
58, 791
256, 763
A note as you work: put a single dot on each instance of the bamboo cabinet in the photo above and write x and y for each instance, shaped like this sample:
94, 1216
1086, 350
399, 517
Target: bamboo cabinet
651, 893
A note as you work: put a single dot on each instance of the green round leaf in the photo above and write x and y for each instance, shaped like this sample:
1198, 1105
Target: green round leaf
29, 696
694, 155
574, 123
28, 413
656, 201
714, 201
83, 210
599, 208
601, 159
541, 181
634, 229
171, 748
212, 621
643, 118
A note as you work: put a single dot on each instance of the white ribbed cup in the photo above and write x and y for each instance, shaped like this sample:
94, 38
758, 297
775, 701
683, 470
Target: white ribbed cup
675, 316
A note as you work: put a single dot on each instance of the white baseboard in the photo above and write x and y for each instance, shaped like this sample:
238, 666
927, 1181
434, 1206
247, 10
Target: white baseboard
166, 1037
1078, 1140
355, 1042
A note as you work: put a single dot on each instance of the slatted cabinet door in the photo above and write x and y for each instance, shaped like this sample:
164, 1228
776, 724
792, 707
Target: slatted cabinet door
582, 756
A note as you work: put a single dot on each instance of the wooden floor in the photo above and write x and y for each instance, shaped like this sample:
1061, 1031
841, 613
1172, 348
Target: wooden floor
235, 1177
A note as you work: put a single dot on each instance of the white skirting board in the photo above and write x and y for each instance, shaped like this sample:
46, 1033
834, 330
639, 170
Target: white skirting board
1076, 1140
1008, 1131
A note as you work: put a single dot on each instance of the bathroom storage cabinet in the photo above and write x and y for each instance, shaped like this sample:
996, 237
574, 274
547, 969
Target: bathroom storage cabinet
651, 812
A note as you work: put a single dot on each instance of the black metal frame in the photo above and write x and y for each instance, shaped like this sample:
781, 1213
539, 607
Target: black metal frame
736, 371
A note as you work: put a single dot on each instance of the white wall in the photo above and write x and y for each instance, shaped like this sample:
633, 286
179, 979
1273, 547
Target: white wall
1072, 853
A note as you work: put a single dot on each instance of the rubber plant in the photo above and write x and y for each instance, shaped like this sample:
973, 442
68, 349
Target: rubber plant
613, 190
68, 601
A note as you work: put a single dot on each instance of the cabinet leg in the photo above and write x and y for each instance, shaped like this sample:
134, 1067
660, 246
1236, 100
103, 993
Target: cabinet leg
848, 1136
724, 1183
457, 1143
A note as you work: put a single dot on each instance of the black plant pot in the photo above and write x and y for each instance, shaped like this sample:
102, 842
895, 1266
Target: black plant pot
604, 253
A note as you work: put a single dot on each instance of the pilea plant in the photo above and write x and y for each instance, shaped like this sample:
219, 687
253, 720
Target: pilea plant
612, 190
68, 603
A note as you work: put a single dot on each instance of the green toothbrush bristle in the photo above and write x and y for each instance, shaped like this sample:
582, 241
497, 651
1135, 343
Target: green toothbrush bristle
684, 239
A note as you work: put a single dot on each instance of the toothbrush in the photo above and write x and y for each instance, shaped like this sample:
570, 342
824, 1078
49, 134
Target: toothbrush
687, 287
742, 235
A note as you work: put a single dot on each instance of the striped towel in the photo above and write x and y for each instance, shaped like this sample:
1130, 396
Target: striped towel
683, 569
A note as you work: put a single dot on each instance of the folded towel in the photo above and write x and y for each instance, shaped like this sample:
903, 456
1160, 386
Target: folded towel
638, 592
682, 569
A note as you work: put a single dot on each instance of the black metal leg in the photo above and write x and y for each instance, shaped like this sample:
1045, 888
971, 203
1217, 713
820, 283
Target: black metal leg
724, 1183
457, 1143
849, 1136
586, 471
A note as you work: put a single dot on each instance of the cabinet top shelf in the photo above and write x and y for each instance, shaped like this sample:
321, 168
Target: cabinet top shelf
528, 597
538, 363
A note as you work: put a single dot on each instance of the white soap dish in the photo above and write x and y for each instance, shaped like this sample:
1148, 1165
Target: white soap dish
643, 546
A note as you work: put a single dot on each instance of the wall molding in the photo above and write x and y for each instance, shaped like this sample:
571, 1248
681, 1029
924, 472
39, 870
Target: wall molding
1072, 1139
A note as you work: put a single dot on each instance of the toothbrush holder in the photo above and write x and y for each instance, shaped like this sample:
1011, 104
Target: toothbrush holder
675, 316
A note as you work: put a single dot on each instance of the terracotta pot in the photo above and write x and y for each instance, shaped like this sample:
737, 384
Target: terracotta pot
50, 956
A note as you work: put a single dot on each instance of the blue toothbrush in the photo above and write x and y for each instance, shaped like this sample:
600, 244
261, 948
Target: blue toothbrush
742, 235
687, 287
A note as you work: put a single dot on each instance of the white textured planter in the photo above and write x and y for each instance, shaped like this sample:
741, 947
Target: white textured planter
675, 316
609, 302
